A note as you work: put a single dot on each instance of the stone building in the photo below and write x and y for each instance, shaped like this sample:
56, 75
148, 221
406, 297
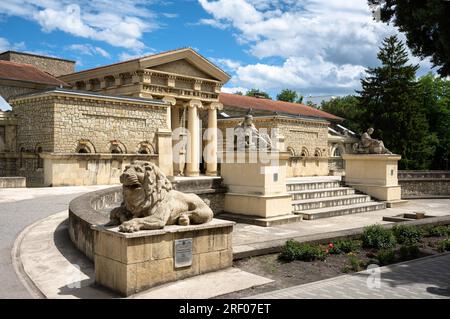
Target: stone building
50, 65
19, 78
142, 109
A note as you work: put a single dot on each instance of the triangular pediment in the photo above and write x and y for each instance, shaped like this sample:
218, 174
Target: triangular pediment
183, 67
185, 62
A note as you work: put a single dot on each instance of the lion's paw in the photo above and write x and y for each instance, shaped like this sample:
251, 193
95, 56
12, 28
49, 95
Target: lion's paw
130, 226
183, 220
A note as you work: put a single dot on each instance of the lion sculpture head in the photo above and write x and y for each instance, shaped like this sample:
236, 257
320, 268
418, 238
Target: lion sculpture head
144, 185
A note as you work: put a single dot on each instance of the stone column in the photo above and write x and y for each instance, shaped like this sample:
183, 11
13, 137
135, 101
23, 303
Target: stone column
193, 158
175, 117
211, 156
172, 101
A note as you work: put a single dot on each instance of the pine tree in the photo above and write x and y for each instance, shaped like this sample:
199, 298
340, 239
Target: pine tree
389, 98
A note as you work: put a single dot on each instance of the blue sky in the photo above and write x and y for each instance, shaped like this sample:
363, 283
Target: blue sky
316, 47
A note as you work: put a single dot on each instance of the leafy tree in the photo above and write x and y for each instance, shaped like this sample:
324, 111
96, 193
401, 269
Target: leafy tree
238, 93
426, 24
258, 93
312, 104
300, 99
287, 95
435, 97
391, 104
346, 107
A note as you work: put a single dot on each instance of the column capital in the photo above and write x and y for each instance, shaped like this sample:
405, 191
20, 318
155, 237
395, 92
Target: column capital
194, 103
169, 99
215, 106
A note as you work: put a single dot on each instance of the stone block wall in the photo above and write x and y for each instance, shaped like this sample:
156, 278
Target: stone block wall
35, 123
424, 184
7, 91
59, 122
305, 139
102, 122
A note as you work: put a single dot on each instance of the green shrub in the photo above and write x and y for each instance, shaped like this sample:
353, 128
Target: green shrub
437, 231
408, 235
343, 246
386, 256
444, 245
376, 236
293, 250
409, 251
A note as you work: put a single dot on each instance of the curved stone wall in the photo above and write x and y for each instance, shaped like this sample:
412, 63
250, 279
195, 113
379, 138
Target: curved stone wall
93, 208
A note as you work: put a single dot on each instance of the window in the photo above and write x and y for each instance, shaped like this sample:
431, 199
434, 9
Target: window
337, 152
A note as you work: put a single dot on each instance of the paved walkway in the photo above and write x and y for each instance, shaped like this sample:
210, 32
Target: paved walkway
418, 279
20, 207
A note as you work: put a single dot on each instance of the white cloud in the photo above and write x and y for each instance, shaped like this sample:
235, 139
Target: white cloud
213, 23
5, 45
120, 23
323, 44
234, 89
130, 56
88, 49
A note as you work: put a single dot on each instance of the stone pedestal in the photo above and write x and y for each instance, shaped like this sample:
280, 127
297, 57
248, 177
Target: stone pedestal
257, 188
131, 262
374, 174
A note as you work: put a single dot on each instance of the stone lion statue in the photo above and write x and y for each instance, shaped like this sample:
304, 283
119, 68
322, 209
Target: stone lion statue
149, 202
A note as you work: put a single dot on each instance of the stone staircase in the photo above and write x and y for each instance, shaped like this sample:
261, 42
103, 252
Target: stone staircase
321, 197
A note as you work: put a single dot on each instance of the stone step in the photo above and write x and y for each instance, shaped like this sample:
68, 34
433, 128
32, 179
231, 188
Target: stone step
301, 205
322, 193
340, 210
312, 185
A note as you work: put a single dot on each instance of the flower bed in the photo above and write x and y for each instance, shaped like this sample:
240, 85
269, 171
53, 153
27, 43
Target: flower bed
300, 263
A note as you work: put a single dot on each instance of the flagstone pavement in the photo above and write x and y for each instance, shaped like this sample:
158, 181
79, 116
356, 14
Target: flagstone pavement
425, 278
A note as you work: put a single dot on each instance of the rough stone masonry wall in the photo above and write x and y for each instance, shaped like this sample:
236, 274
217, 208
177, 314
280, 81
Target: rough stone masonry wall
7, 91
424, 184
35, 124
101, 122
310, 135
55, 67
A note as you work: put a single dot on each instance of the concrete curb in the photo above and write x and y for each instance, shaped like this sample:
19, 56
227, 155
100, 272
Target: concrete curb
274, 246
26, 281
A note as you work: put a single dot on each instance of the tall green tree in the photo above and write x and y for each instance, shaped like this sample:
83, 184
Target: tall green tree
346, 107
426, 24
257, 93
435, 97
390, 100
287, 95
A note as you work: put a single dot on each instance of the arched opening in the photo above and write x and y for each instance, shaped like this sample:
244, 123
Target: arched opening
115, 149
317, 153
291, 150
337, 152
145, 148
305, 152
85, 147
84, 150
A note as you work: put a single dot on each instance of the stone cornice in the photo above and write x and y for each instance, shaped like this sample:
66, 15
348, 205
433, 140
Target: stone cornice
76, 95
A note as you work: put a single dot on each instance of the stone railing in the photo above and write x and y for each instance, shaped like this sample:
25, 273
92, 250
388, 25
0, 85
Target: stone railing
93, 208
424, 184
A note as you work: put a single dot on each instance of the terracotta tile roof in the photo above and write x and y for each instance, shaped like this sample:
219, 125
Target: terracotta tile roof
246, 102
27, 72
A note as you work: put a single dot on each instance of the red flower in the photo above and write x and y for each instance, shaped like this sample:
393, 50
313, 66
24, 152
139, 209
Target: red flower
331, 245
